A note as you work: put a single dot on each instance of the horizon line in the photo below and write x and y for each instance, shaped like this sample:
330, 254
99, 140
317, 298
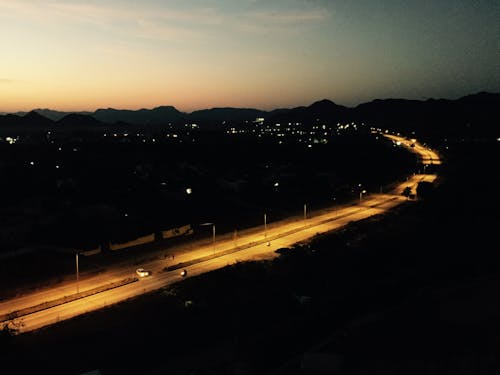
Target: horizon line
229, 107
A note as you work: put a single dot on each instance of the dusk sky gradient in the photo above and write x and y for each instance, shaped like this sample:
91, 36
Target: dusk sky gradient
85, 55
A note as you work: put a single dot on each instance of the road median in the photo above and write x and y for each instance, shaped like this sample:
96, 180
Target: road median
65, 299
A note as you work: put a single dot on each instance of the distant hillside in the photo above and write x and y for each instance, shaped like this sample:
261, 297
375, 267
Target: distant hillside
219, 115
51, 114
31, 120
79, 120
472, 115
323, 111
158, 115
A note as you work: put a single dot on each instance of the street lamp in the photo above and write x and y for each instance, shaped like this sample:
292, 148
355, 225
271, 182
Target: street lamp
77, 274
213, 236
305, 211
265, 226
361, 194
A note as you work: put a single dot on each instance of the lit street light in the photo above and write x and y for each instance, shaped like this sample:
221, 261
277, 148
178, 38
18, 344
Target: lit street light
361, 194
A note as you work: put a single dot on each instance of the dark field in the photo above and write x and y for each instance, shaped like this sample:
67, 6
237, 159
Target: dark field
411, 292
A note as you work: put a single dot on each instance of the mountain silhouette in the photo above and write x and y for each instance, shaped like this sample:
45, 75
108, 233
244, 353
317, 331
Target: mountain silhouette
228, 114
79, 120
323, 110
158, 115
52, 114
471, 115
35, 120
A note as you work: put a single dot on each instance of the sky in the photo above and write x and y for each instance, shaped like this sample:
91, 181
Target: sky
264, 54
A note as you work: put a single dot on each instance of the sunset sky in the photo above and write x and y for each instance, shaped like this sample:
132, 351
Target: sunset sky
265, 54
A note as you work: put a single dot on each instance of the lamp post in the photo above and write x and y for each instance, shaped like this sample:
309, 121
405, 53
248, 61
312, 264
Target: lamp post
305, 211
77, 274
265, 226
361, 194
213, 237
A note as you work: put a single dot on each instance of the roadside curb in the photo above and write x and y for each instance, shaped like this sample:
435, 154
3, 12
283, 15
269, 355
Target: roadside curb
65, 299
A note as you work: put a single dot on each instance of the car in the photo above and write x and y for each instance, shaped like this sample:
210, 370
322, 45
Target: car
184, 273
141, 272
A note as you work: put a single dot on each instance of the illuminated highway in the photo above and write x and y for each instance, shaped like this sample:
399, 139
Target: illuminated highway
427, 156
26, 312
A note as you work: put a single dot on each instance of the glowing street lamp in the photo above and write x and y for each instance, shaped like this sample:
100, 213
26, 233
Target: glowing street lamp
361, 194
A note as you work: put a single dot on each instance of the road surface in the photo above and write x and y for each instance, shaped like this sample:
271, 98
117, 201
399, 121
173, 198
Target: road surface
45, 307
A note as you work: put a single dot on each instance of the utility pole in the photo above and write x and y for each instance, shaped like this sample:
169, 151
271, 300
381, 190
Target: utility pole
77, 275
361, 194
213, 239
265, 226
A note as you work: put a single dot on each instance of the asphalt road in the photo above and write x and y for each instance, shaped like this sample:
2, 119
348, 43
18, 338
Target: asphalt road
35, 310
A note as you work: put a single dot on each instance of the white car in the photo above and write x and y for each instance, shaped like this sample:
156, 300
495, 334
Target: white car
142, 272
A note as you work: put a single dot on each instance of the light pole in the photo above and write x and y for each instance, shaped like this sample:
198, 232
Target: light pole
361, 194
77, 274
305, 211
265, 226
213, 237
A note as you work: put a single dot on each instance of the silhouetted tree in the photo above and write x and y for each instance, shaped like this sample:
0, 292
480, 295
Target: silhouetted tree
407, 191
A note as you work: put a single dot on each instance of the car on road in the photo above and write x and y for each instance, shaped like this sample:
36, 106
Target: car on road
141, 272
184, 273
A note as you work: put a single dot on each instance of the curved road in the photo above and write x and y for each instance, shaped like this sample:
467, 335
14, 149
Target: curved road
41, 308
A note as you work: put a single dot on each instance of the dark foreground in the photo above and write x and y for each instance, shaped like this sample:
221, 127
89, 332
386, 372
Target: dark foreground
412, 292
